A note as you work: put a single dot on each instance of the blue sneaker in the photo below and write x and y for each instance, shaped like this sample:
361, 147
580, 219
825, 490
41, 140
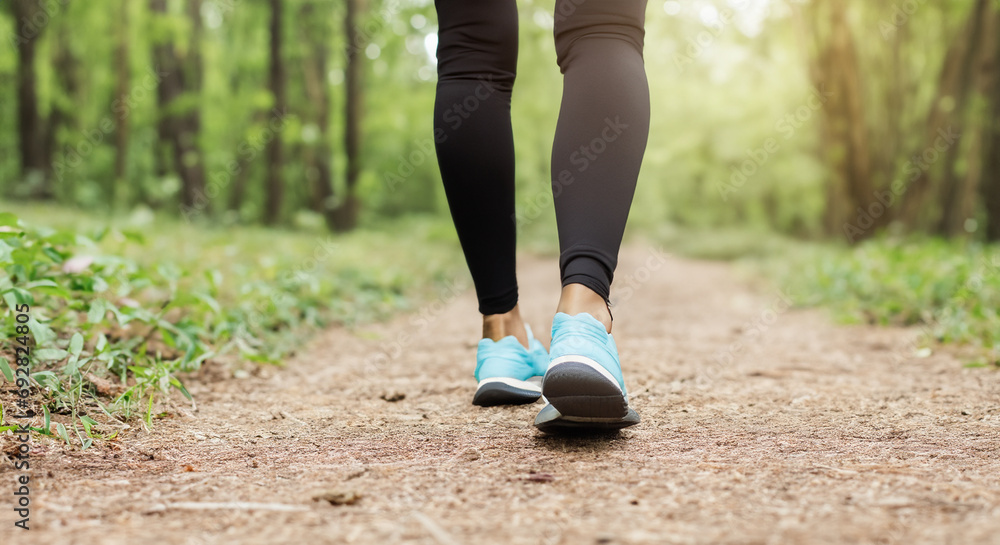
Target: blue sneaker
509, 374
583, 385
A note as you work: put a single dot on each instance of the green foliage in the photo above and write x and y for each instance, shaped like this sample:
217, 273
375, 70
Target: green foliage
951, 289
149, 300
699, 131
724, 78
725, 244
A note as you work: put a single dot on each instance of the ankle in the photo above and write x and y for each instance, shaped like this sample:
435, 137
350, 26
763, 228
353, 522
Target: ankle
498, 326
577, 299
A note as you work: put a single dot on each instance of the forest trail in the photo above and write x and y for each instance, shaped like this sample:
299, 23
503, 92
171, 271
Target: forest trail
809, 433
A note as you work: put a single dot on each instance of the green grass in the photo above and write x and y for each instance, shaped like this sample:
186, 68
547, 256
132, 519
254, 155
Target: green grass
144, 299
725, 244
950, 288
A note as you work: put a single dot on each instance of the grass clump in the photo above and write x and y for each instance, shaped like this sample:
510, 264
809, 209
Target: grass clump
950, 288
120, 310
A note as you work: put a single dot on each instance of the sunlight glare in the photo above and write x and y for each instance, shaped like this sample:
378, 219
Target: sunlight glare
709, 15
431, 46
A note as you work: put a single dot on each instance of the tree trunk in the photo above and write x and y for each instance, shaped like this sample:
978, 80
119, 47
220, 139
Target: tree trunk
274, 189
914, 209
178, 128
894, 103
187, 152
836, 74
30, 127
954, 191
318, 90
62, 114
989, 188
165, 62
346, 217
237, 197
121, 112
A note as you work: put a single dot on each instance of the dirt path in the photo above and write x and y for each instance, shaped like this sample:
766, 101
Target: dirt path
808, 433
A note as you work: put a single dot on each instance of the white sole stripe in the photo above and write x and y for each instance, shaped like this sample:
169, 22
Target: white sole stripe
530, 385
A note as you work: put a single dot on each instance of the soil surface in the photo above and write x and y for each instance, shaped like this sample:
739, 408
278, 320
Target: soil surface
760, 424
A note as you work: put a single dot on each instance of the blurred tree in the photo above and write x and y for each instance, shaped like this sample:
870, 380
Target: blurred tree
944, 128
346, 215
990, 186
277, 83
237, 196
122, 77
878, 172
892, 79
250, 120
64, 115
31, 129
178, 92
954, 191
315, 72
836, 74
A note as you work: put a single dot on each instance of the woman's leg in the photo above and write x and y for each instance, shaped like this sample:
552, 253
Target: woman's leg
600, 140
599, 143
477, 61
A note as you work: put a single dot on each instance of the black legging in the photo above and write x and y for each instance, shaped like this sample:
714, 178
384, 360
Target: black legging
599, 142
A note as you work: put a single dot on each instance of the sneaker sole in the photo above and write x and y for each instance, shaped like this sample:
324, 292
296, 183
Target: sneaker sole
583, 394
550, 420
507, 391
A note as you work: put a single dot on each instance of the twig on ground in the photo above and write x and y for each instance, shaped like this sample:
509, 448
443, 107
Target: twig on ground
439, 533
231, 505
